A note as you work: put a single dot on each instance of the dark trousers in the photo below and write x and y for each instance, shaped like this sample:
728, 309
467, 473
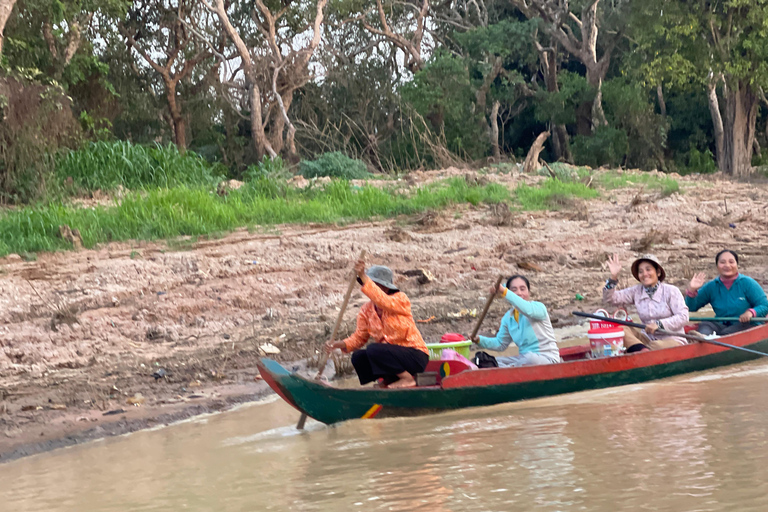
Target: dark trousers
723, 328
384, 361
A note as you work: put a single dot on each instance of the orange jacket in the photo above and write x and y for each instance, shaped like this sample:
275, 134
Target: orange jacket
396, 325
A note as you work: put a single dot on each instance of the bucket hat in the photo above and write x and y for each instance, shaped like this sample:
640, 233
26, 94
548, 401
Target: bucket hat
652, 259
382, 275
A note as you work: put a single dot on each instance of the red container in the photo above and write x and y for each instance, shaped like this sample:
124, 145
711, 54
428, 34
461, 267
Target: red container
606, 342
452, 337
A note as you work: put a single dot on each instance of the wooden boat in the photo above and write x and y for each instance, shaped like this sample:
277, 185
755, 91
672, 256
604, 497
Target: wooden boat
471, 388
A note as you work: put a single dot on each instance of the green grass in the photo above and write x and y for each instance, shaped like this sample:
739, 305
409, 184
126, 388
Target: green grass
552, 194
664, 184
191, 211
109, 165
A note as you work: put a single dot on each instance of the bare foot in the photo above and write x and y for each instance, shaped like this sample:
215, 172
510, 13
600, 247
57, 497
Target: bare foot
404, 382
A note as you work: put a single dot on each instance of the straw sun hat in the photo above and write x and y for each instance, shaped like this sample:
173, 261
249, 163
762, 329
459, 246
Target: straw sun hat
651, 259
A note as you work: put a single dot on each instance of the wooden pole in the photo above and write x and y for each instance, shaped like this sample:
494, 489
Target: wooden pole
724, 319
485, 309
326, 354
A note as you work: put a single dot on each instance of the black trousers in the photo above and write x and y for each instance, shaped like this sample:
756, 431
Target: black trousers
723, 328
384, 361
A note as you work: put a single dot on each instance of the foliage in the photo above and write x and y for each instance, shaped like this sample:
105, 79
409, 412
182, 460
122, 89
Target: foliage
334, 165
36, 124
560, 107
192, 211
109, 165
628, 109
566, 173
606, 146
699, 162
552, 194
651, 181
443, 95
268, 168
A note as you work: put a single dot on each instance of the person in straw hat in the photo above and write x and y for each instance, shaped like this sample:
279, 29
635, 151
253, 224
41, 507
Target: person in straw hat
659, 305
398, 351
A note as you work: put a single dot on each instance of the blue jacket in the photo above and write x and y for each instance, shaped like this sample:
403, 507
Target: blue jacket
744, 294
532, 331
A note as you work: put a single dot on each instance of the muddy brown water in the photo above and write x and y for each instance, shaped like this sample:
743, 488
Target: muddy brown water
694, 443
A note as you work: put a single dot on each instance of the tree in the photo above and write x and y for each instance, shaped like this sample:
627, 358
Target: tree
557, 20
273, 66
159, 32
405, 29
6, 7
721, 45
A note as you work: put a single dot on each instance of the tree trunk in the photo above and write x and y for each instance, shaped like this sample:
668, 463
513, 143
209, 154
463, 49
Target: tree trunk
717, 122
596, 69
263, 147
531, 164
177, 119
495, 131
662, 103
548, 62
739, 128
597, 115
6, 6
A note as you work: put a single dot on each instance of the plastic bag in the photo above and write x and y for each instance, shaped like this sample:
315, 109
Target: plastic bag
451, 355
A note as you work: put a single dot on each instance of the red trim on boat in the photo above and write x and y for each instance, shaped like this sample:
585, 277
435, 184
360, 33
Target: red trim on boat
276, 387
496, 376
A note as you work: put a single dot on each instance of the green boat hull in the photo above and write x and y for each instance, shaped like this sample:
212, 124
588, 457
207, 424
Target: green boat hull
494, 386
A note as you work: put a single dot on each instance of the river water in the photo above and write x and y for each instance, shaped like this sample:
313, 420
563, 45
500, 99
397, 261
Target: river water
694, 443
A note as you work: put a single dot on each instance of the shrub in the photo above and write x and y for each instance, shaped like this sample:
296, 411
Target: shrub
107, 165
702, 162
334, 165
269, 168
606, 146
36, 121
552, 194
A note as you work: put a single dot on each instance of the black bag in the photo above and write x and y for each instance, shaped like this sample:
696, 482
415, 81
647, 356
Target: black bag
484, 360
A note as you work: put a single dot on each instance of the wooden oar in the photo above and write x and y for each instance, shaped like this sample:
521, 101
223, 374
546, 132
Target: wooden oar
326, 354
725, 319
485, 309
662, 331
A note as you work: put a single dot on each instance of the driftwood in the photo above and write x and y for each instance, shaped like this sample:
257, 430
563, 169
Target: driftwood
531, 164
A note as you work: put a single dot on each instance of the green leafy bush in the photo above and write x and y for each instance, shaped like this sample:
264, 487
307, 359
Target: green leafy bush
334, 165
270, 168
701, 162
606, 146
552, 194
108, 165
628, 109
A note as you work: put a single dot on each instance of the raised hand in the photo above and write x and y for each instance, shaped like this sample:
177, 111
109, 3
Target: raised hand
697, 281
614, 266
498, 292
360, 270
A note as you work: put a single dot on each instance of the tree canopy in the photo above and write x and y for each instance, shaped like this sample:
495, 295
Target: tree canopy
673, 85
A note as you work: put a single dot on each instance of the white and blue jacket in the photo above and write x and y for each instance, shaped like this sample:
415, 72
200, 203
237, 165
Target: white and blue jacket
527, 325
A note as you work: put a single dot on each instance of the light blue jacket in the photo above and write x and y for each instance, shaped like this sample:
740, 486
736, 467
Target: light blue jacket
532, 332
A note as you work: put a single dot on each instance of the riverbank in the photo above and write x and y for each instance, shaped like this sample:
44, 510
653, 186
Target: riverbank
175, 329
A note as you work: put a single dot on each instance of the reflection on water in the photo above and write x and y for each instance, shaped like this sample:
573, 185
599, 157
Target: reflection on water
695, 443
